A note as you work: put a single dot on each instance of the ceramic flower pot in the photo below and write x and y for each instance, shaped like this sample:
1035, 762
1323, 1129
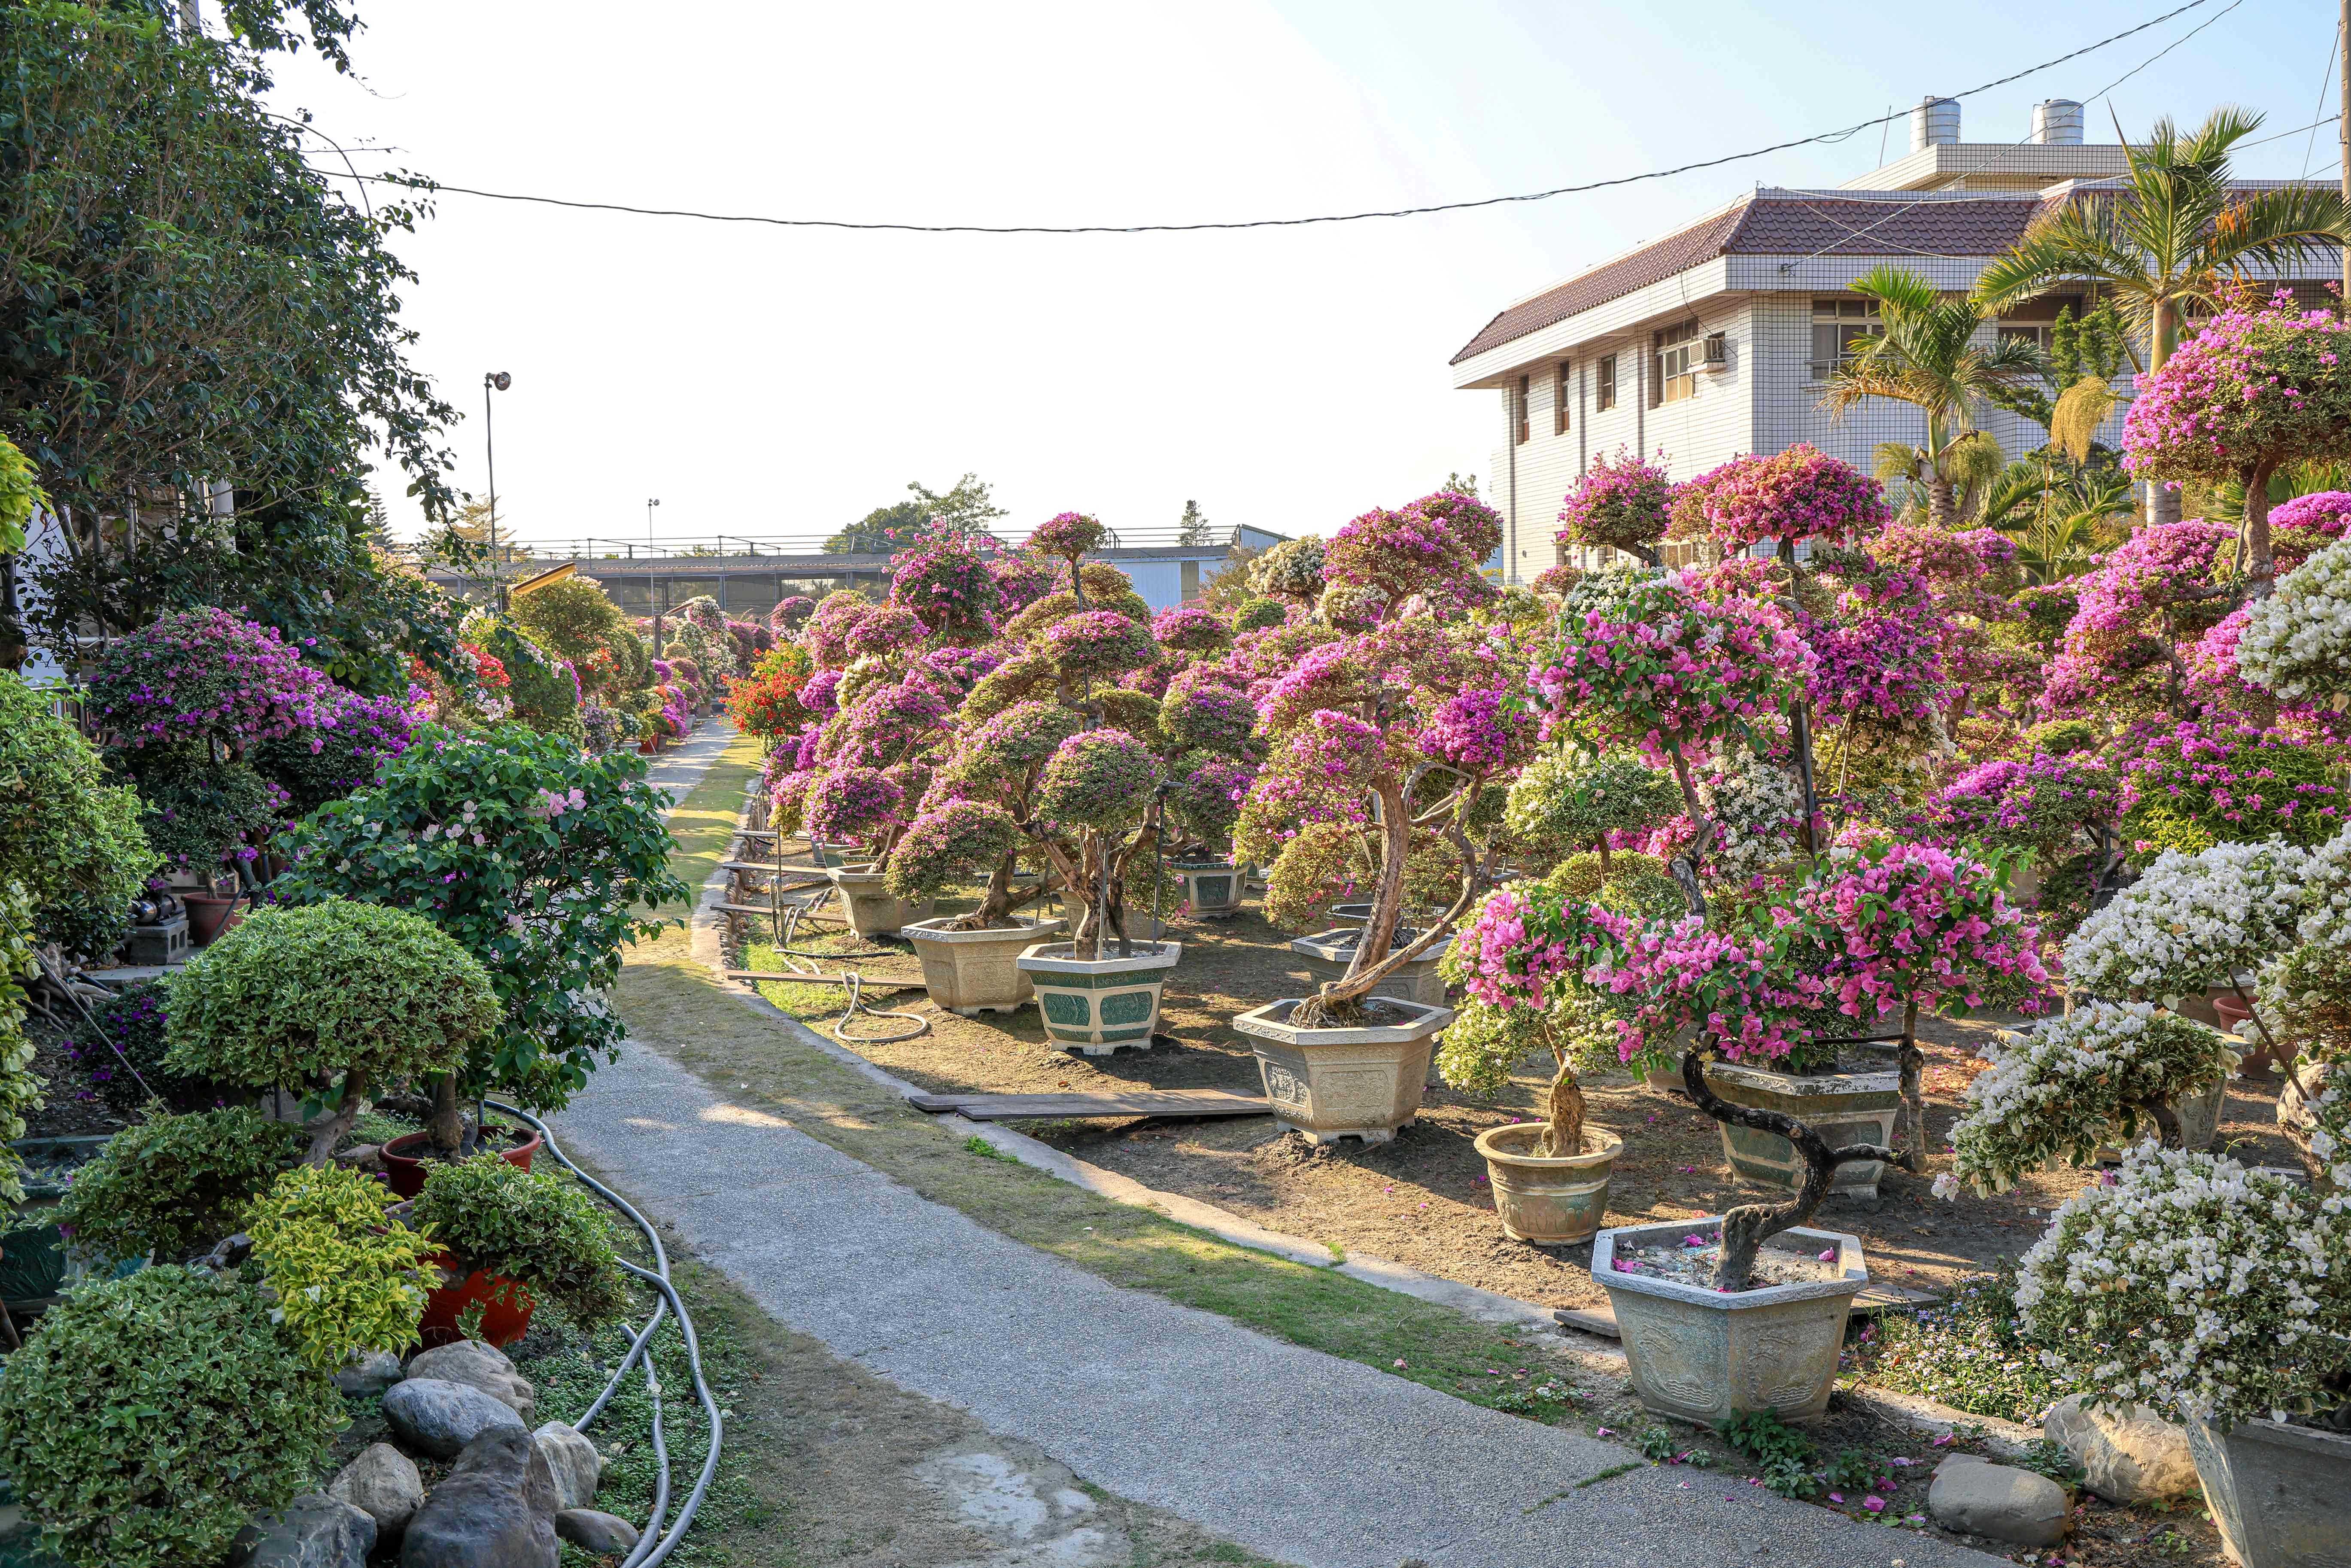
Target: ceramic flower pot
208, 913
2199, 1111
404, 1169
505, 1307
1213, 888
873, 910
1548, 1200
975, 972
1702, 1355
1842, 1107
1345, 1082
1094, 1005
2278, 1492
1328, 954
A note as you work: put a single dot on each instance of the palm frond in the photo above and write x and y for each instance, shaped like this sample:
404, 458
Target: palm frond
2081, 409
1891, 460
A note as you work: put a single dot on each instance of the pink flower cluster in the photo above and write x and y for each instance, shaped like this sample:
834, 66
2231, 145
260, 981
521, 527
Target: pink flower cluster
853, 803
2044, 799
1911, 922
1099, 644
1323, 772
1068, 535
947, 584
1621, 502
1875, 665
1434, 546
2270, 382
1190, 629
1480, 731
1801, 493
1731, 987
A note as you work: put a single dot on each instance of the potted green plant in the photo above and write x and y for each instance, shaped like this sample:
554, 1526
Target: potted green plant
69, 839
510, 1241
336, 1000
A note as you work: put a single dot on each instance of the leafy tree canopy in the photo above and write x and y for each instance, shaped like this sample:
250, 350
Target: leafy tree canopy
964, 508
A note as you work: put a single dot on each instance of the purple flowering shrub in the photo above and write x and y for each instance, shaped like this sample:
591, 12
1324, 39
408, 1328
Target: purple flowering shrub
199, 675
356, 734
2047, 802
1432, 549
1801, 493
2188, 786
1621, 502
1190, 629
947, 584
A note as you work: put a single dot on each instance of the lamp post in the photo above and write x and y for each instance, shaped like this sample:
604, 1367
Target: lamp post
653, 589
494, 380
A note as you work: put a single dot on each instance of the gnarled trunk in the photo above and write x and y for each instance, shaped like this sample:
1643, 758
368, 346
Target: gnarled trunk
1914, 1092
1563, 1134
328, 1130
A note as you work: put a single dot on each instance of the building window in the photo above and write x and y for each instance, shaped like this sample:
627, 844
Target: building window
2033, 332
1603, 396
1562, 391
1518, 428
1837, 325
1674, 354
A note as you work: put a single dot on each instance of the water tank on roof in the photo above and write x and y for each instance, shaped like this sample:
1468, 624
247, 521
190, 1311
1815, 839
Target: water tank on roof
2057, 121
1935, 120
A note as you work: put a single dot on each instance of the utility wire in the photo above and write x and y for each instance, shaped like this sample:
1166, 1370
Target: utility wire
432, 186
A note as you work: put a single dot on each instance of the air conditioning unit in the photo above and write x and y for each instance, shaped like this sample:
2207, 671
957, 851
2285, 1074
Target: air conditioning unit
1717, 352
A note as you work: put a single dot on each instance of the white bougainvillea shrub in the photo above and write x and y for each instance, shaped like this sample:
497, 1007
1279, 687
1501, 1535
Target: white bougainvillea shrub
2326, 892
2306, 996
2297, 642
1759, 809
2069, 1084
2187, 1283
2190, 921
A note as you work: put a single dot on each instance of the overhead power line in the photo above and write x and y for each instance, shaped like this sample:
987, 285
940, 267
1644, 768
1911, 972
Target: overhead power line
435, 187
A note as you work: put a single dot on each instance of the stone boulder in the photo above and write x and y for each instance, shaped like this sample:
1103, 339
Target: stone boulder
494, 1509
478, 1366
383, 1483
2132, 1454
368, 1371
1977, 1497
437, 1417
592, 1532
574, 1461
315, 1531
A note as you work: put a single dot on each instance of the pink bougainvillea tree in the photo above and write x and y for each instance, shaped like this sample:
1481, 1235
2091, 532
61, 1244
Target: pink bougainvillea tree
1780, 498
1621, 503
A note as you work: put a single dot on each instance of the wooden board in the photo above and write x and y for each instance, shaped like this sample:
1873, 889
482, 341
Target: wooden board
1602, 1320
1056, 1107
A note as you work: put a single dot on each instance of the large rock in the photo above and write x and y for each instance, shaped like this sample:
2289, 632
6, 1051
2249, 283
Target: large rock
574, 1461
1999, 1502
315, 1531
478, 1366
2132, 1454
438, 1417
592, 1532
368, 1371
494, 1509
382, 1482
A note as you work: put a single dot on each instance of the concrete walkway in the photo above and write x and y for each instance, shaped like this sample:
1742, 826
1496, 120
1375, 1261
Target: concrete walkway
676, 771
1302, 1457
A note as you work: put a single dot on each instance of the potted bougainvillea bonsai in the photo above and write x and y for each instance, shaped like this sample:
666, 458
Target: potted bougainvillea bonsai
1220, 719
1399, 726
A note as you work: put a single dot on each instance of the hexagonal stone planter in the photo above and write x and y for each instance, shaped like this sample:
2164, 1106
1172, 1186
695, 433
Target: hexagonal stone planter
1842, 1107
1328, 954
1094, 1005
2277, 1492
1344, 1083
1213, 888
1702, 1355
975, 972
871, 911
2199, 1112
1548, 1200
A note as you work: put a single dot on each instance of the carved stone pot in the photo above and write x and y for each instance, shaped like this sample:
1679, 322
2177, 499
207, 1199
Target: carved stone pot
1702, 1355
1097, 1005
870, 909
1842, 1107
1362, 1082
1328, 954
1213, 888
2281, 1495
975, 972
1550, 1200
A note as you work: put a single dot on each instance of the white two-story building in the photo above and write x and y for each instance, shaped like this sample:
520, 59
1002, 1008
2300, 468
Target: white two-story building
1715, 340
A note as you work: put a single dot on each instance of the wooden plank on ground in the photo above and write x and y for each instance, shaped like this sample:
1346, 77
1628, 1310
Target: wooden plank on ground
1600, 1321
1058, 1107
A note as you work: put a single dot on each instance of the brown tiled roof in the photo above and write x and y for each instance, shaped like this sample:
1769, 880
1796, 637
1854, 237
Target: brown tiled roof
1778, 223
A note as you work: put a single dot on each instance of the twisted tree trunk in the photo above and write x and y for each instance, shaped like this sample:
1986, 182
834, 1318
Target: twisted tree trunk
1914, 1092
1563, 1134
328, 1130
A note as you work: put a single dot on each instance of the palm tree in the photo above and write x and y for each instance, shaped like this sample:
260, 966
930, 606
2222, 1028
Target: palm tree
2168, 236
1927, 355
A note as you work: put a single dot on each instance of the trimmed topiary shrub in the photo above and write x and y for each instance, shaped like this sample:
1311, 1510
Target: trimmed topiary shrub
346, 1277
545, 1232
149, 1419
175, 1185
71, 841
294, 996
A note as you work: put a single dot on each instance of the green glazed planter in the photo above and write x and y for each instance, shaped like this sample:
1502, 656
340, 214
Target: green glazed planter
1213, 888
1094, 1005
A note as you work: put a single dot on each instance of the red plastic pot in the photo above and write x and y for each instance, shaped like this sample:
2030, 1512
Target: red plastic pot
405, 1172
505, 1307
207, 914
2232, 1012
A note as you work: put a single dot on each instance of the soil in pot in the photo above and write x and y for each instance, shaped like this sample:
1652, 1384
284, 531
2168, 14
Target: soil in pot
406, 1161
505, 1307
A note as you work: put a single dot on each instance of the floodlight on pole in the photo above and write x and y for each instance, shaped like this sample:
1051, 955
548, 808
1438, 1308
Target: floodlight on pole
493, 381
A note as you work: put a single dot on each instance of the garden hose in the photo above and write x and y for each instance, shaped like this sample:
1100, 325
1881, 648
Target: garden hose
853, 985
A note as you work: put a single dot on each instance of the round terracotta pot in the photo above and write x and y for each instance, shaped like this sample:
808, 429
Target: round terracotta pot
405, 1172
505, 1307
207, 914
1548, 1200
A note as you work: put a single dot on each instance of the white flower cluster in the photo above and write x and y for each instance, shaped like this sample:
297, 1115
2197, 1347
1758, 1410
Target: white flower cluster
2193, 1285
2069, 1084
2297, 642
2326, 892
2189, 922
1759, 807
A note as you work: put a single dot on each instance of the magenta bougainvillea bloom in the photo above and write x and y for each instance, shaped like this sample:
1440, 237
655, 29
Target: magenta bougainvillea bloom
1068, 536
1801, 493
1484, 731
1214, 716
1099, 644
826, 634
947, 584
790, 612
1022, 577
2270, 381
853, 803
197, 676
1191, 628
886, 629
1432, 548
2043, 801
1099, 778
1621, 502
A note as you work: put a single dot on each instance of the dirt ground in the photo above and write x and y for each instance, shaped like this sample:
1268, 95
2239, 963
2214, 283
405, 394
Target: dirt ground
1423, 1199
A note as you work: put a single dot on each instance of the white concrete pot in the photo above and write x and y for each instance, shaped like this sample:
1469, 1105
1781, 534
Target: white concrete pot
1331, 1083
871, 911
1842, 1107
1213, 888
1702, 1355
2199, 1111
1328, 954
1548, 1200
1097, 1005
2281, 1495
975, 972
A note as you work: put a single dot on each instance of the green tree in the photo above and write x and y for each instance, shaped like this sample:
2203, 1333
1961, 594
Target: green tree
1927, 355
2172, 234
1192, 527
964, 508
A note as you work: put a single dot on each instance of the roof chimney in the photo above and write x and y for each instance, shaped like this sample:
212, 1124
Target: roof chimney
1935, 120
2057, 122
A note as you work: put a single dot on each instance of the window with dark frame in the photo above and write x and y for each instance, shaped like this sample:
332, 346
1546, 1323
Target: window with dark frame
1562, 391
1604, 394
1519, 426
1673, 363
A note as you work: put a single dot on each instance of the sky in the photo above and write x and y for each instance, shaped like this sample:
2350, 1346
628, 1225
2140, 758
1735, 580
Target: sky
779, 383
